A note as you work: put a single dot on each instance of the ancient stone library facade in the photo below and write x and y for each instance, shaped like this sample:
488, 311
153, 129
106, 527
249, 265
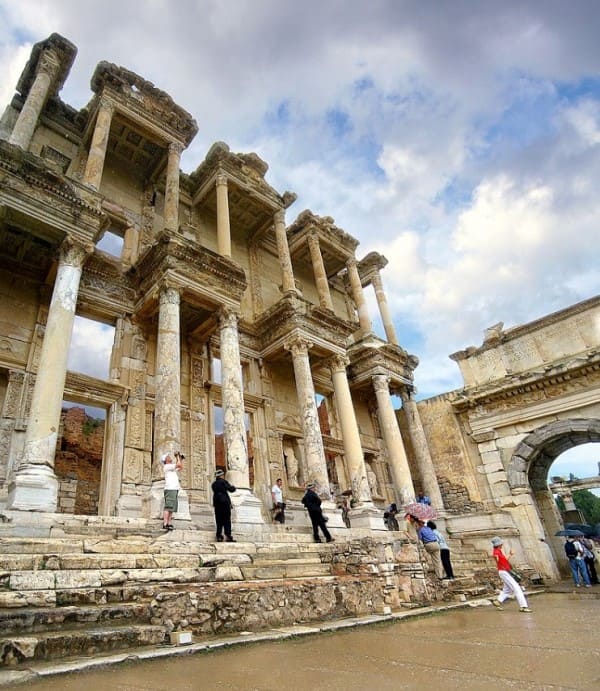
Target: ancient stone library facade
243, 339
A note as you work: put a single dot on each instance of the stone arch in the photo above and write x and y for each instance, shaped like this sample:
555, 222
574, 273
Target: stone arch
535, 454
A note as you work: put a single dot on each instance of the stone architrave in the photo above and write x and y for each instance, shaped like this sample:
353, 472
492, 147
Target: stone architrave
283, 252
27, 121
419, 441
364, 515
167, 413
95, 162
393, 440
246, 506
34, 486
319, 271
223, 223
172, 187
359, 297
314, 454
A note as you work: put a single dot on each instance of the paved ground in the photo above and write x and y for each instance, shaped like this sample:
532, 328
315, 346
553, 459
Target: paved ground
557, 646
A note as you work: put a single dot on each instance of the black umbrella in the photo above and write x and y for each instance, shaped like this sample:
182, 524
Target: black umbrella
569, 533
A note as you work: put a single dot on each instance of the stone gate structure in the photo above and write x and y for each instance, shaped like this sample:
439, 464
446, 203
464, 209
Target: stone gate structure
222, 310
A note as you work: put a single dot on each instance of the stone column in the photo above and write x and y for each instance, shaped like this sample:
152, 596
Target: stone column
34, 486
95, 162
167, 400
172, 187
247, 507
319, 271
223, 227
314, 454
283, 252
27, 121
359, 297
364, 515
393, 440
384, 311
419, 442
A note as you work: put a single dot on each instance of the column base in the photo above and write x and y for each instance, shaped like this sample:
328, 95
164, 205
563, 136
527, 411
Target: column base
34, 488
367, 516
153, 503
246, 507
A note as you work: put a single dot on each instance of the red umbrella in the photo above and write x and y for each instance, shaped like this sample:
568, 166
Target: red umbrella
423, 512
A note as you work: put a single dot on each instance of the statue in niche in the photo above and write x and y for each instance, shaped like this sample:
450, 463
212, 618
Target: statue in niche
372, 479
291, 465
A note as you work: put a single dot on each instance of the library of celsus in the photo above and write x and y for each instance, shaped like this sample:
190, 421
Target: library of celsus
242, 339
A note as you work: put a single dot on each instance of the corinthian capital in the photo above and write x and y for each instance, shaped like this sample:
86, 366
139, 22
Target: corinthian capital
381, 383
221, 179
74, 253
169, 295
48, 63
176, 148
228, 317
298, 345
338, 363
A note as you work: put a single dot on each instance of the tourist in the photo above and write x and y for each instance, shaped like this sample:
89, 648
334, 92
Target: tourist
222, 505
589, 558
278, 503
423, 499
312, 503
171, 468
389, 517
444, 551
510, 584
430, 543
576, 556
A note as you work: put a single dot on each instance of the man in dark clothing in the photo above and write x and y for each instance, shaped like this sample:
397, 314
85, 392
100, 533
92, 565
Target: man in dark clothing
312, 502
222, 506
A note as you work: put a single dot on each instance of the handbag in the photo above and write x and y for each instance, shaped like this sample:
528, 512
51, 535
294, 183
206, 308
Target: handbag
516, 575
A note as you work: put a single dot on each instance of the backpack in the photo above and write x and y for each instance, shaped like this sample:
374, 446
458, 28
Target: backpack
570, 549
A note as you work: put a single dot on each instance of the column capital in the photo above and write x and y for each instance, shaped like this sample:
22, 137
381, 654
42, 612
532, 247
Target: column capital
338, 363
312, 238
381, 382
279, 216
298, 345
221, 179
228, 317
106, 105
73, 253
169, 294
48, 63
176, 147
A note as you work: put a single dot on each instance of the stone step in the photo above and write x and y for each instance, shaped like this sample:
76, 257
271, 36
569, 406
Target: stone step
290, 570
53, 645
27, 620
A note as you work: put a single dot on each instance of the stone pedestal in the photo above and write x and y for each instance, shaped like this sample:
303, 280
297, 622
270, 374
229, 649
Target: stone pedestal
367, 517
34, 488
153, 503
247, 509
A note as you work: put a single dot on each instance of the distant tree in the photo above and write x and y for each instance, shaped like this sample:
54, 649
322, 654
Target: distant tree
589, 505
560, 502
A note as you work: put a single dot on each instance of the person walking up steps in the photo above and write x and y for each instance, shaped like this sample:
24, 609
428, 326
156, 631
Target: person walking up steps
510, 584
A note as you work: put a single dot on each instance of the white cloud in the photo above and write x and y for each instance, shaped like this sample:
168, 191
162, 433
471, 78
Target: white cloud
90, 348
461, 140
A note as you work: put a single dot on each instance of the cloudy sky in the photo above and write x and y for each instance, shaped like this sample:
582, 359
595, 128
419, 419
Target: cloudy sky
460, 139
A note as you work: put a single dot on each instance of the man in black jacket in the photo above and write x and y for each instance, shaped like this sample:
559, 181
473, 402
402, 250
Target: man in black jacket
312, 502
222, 505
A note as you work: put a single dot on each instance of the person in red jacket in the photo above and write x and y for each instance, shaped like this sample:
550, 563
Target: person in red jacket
510, 584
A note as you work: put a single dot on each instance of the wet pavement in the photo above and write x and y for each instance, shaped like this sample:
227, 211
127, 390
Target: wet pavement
557, 646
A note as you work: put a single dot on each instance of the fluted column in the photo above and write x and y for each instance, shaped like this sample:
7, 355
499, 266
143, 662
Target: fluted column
172, 187
234, 428
95, 162
35, 487
223, 227
319, 271
384, 311
314, 453
350, 434
283, 252
393, 440
359, 297
419, 442
27, 121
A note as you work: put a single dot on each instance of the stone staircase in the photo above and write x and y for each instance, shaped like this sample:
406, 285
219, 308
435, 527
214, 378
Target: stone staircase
81, 586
